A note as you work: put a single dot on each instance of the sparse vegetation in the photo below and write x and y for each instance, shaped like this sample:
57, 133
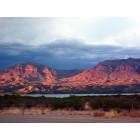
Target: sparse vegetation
105, 103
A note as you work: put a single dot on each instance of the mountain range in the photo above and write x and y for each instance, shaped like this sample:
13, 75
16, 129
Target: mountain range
110, 76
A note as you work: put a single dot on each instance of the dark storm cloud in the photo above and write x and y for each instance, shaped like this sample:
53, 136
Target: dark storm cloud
63, 54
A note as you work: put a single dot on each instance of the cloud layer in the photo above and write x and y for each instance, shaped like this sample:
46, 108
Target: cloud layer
37, 31
66, 43
62, 54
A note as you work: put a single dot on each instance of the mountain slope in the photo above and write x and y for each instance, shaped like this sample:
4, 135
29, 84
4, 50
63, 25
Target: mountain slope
30, 77
108, 76
27, 74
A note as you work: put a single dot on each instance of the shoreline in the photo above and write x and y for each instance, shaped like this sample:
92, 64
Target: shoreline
64, 95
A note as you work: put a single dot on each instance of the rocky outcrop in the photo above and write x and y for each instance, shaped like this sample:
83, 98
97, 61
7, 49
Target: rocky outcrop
112, 75
109, 74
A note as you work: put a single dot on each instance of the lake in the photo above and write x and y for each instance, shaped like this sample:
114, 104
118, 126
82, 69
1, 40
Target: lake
68, 95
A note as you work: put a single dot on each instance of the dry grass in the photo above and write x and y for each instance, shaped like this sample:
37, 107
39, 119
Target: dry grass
112, 114
95, 113
134, 113
31, 111
11, 111
80, 113
99, 113
36, 111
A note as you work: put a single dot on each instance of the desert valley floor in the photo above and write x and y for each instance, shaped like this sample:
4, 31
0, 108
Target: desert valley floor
51, 118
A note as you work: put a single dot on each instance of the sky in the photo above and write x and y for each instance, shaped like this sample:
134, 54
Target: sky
67, 43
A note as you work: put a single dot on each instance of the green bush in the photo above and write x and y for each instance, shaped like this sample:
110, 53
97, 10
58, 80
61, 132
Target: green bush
73, 102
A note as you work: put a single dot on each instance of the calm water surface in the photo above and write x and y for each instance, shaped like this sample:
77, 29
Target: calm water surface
68, 95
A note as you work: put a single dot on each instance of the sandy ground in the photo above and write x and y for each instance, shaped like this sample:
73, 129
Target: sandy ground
45, 115
61, 117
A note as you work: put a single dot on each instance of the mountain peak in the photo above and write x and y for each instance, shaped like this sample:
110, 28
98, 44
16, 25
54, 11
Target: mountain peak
109, 74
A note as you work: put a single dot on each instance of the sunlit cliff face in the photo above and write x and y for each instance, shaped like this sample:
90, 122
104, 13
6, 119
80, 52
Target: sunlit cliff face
108, 73
49, 77
25, 74
36, 78
30, 70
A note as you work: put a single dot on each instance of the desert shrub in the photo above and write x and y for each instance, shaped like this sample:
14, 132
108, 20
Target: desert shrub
77, 103
118, 110
113, 102
95, 103
67, 103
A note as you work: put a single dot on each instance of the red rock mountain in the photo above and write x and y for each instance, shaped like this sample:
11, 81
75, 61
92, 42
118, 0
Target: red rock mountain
113, 75
107, 74
27, 74
31, 77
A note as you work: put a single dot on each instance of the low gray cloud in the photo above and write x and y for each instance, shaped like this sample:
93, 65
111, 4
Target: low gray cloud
63, 54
